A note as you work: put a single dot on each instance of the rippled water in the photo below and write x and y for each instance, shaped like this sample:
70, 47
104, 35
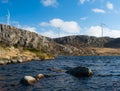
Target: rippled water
106, 75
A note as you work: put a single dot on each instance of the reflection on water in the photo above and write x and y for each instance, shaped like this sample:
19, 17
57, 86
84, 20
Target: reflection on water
106, 75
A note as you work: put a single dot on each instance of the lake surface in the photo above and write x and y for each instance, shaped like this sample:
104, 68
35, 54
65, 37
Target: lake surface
106, 74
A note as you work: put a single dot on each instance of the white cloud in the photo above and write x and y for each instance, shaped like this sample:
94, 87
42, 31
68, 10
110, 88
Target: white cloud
44, 24
110, 6
31, 29
25, 27
97, 10
52, 34
96, 31
64, 26
49, 33
83, 18
58, 28
56, 22
4, 1
47, 3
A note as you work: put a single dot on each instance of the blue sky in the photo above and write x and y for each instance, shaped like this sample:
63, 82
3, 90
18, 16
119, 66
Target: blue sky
57, 18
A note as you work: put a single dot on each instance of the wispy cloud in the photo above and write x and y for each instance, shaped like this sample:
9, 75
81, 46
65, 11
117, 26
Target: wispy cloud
83, 18
4, 1
47, 3
83, 1
50, 33
29, 28
110, 6
44, 24
25, 27
97, 10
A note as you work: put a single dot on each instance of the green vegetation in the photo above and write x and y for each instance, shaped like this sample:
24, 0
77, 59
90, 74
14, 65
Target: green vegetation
33, 50
41, 55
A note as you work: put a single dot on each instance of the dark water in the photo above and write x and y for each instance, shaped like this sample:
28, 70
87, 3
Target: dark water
106, 75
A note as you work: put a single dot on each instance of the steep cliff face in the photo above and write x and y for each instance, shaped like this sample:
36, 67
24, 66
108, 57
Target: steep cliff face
12, 36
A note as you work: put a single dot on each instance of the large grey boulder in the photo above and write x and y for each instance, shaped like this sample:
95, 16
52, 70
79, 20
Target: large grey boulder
80, 71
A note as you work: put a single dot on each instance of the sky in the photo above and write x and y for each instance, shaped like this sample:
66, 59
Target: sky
58, 18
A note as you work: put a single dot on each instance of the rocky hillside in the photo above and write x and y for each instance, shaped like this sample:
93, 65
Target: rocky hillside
113, 43
12, 36
71, 45
86, 41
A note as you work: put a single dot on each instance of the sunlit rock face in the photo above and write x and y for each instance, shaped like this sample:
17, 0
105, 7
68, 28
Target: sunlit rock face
12, 36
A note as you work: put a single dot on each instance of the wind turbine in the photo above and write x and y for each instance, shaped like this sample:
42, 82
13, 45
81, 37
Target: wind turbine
8, 18
102, 25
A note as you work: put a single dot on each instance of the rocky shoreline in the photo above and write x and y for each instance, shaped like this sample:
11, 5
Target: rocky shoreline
22, 59
14, 55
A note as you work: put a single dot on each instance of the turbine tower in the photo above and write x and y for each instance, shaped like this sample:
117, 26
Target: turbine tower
102, 25
8, 18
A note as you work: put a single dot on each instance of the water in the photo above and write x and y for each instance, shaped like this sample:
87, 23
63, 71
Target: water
106, 74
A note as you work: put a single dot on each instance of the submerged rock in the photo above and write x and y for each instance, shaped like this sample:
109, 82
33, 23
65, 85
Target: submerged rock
80, 71
39, 76
28, 80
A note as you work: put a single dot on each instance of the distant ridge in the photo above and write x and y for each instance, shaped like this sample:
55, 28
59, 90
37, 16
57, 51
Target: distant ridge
87, 41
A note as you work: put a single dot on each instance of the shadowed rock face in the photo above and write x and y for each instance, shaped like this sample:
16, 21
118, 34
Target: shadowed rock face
114, 43
83, 41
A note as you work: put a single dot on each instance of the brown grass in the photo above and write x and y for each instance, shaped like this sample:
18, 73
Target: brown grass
14, 52
107, 51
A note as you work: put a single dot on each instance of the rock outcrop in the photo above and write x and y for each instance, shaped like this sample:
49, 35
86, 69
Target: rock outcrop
83, 41
12, 36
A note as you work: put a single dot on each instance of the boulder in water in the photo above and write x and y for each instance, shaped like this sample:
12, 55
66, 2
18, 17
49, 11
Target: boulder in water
39, 76
80, 71
28, 80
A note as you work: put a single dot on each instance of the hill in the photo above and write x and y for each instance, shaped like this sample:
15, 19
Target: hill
13, 39
85, 41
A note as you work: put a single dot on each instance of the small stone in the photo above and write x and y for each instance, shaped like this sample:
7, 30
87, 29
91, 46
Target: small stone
14, 60
28, 80
39, 76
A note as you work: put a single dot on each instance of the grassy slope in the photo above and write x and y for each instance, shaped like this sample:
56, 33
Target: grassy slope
12, 52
